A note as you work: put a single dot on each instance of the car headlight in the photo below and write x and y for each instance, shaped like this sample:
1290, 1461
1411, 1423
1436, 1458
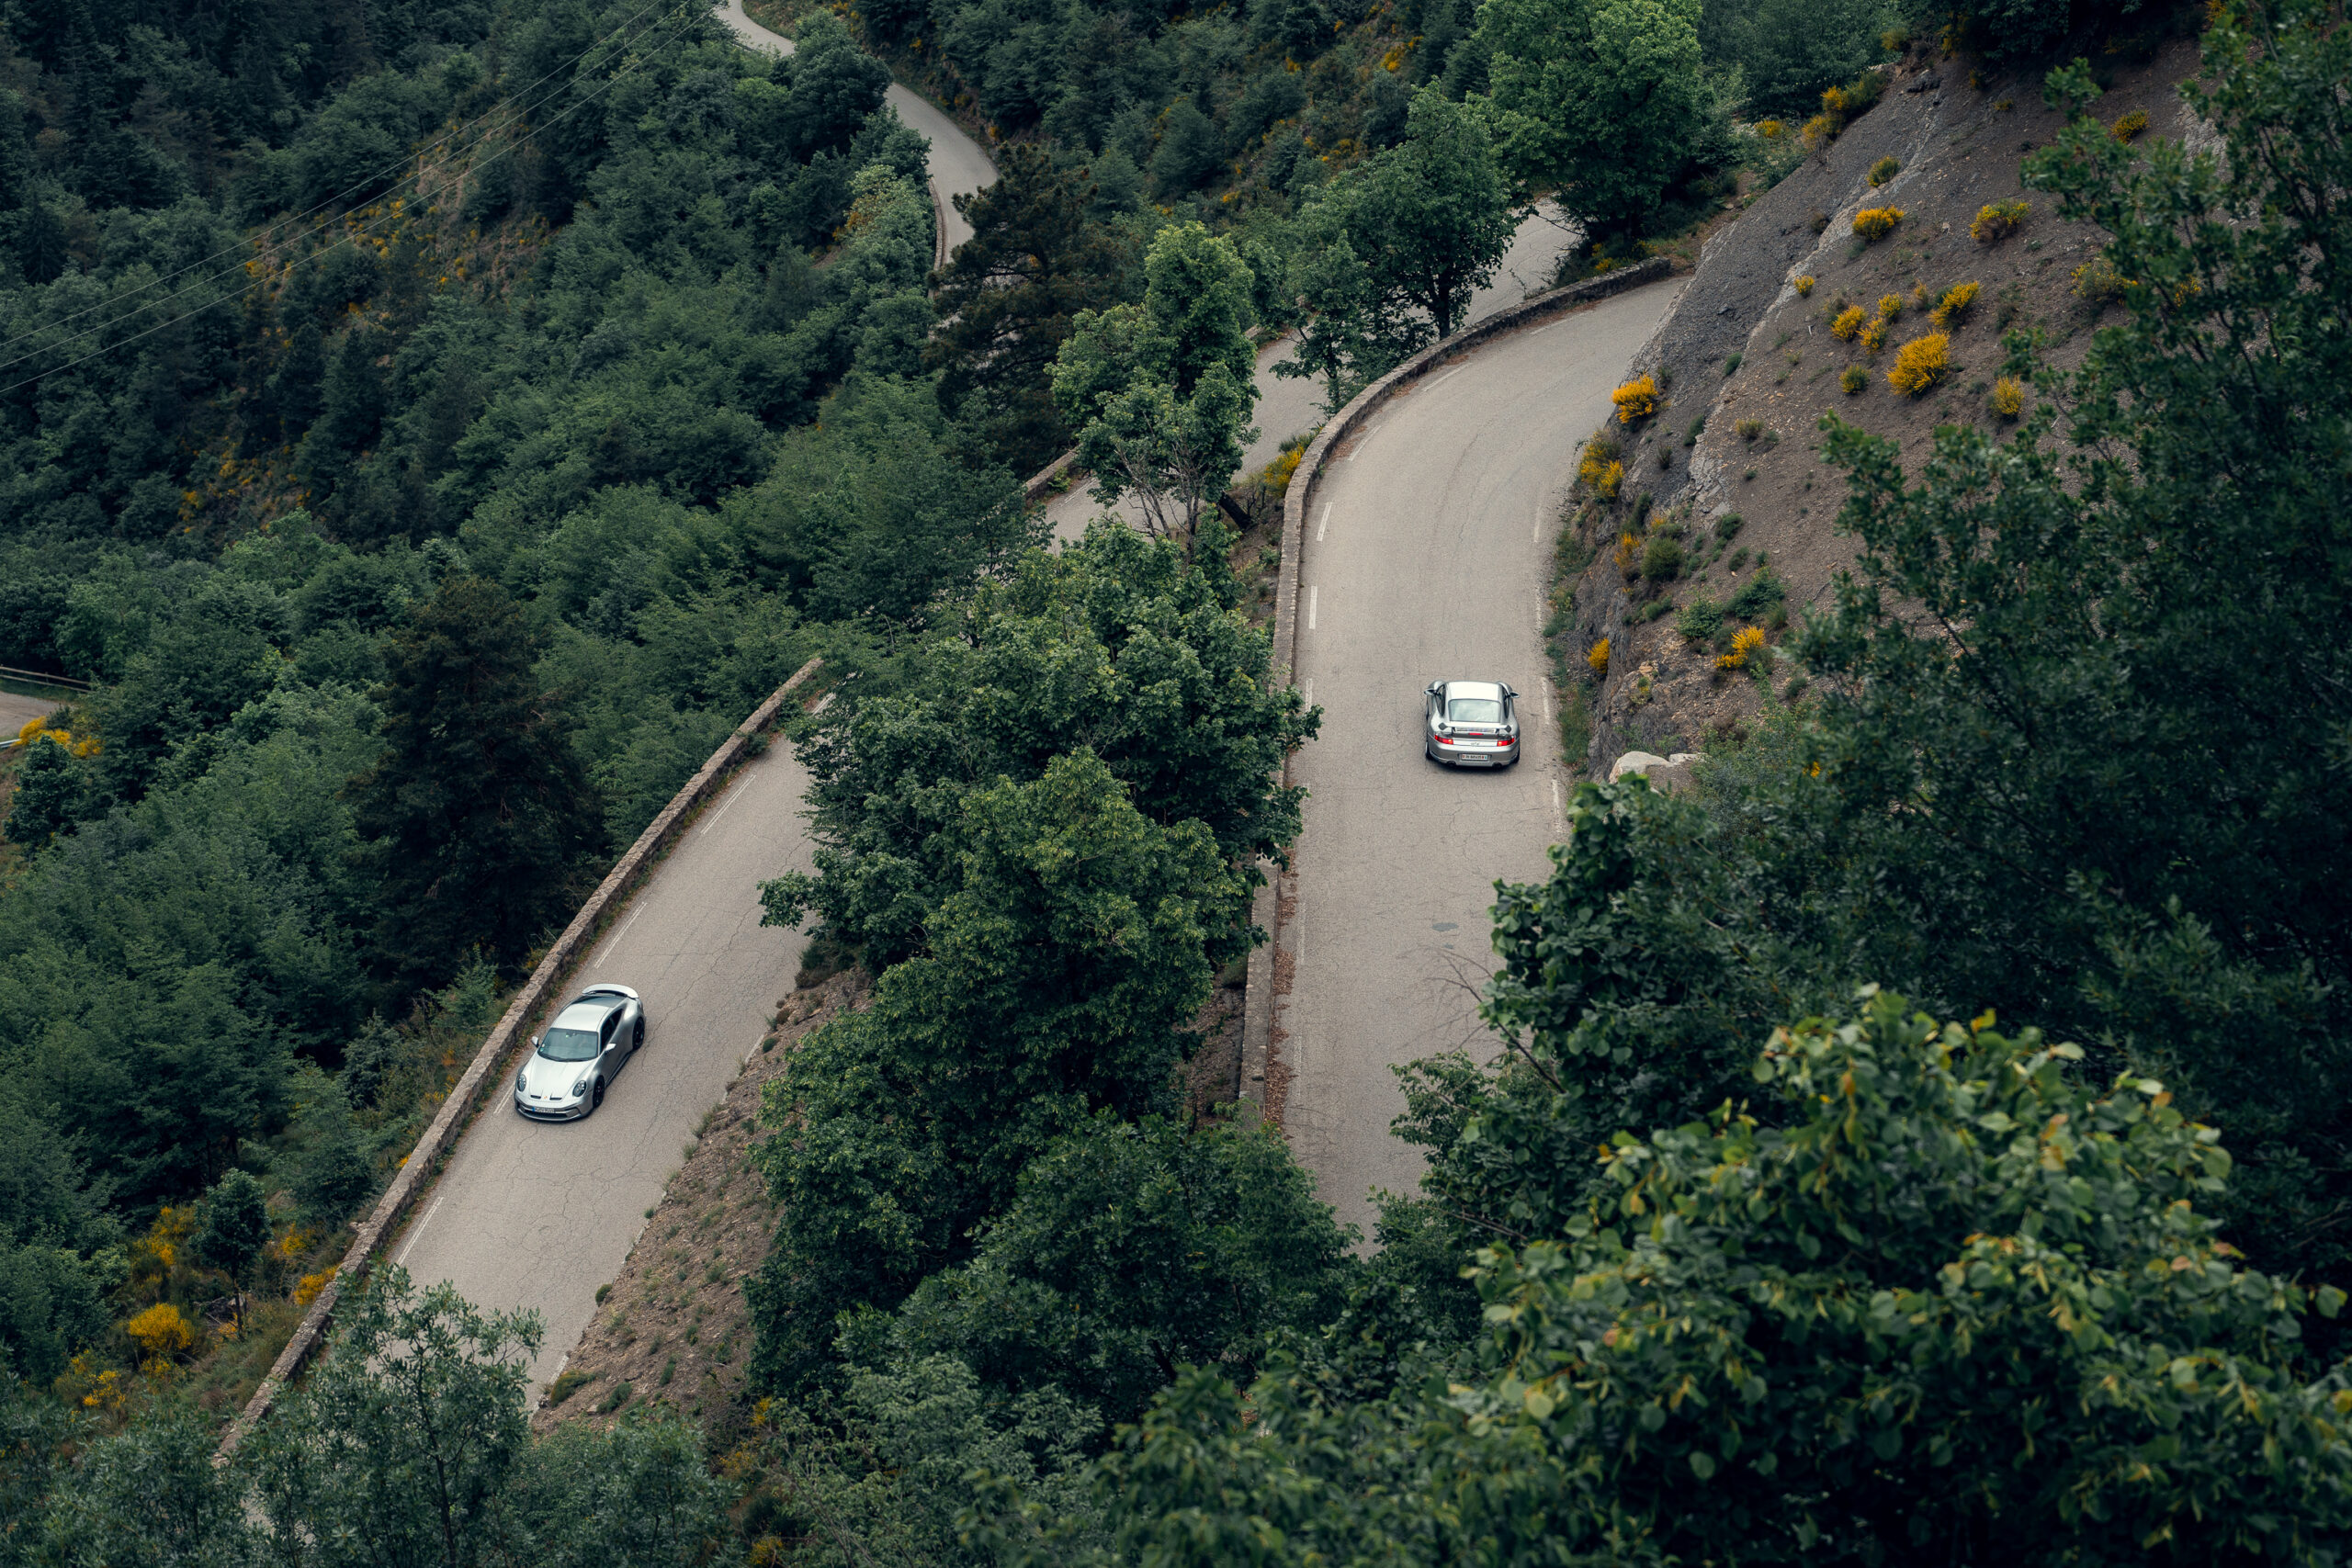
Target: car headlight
579, 1088
523, 1082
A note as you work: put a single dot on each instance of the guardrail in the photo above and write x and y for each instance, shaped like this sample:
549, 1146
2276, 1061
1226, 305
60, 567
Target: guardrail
489, 1064
35, 677
1265, 911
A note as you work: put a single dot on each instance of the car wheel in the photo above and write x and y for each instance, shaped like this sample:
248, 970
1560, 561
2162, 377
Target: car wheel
596, 1099
641, 1035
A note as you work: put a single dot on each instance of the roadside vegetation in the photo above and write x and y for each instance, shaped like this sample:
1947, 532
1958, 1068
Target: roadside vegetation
1926, 1136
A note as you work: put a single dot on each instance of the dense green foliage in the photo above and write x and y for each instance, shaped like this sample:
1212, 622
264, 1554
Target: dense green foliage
420, 546
1160, 392
1928, 1298
408, 1445
1045, 846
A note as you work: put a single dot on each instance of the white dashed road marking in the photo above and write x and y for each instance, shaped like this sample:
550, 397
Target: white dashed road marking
1323, 522
418, 1232
1311, 595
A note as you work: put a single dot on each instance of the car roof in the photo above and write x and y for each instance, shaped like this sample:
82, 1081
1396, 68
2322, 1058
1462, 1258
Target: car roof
1488, 689
585, 1014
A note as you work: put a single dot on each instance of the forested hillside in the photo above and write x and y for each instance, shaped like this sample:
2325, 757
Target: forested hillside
1921, 1141
444, 413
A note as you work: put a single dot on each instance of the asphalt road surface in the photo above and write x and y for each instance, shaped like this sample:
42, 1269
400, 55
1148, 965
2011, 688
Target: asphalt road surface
957, 163
1426, 559
539, 1215
1289, 406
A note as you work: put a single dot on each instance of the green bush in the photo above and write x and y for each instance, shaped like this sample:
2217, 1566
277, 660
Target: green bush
1758, 594
1700, 620
1662, 558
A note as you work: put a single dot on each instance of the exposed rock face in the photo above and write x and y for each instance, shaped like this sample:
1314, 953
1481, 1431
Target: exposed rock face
1733, 458
1665, 774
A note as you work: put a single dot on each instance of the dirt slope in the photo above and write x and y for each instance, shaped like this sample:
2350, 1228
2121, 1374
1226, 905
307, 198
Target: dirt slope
1959, 144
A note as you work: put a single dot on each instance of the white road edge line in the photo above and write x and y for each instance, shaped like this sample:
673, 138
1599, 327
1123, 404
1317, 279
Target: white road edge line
1362, 441
1310, 696
1449, 376
417, 1234
606, 955
1312, 594
1323, 522
724, 806
1556, 795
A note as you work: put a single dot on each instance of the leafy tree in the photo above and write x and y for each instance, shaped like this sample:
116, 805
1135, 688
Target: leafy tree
1130, 1249
1431, 217
1959, 1302
1788, 52
53, 795
149, 1494
1008, 296
234, 1229
1603, 98
1055, 980
893, 1472
332, 1175
1350, 336
474, 815
1160, 392
1117, 646
1190, 149
877, 513
401, 1445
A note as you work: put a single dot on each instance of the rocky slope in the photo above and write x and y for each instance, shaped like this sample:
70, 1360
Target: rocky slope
1729, 467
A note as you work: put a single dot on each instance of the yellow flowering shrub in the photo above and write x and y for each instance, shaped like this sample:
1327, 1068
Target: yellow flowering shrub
1745, 641
1997, 221
2008, 396
1636, 400
307, 1289
1599, 656
1599, 470
1877, 222
1889, 307
1884, 170
1920, 365
1805, 286
1873, 337
1628, 555
1846, 323
1854, 380
1769, 129
161, 1332
2132, 125
1955, 304
2097, 283
1821, 128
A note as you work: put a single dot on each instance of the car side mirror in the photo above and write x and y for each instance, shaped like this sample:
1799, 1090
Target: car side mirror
535, 1042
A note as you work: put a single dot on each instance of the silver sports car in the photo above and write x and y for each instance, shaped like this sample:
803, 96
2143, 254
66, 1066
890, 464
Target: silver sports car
584, 1050
1472, 724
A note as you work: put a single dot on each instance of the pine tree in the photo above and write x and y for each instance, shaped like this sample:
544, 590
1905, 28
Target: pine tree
476, 816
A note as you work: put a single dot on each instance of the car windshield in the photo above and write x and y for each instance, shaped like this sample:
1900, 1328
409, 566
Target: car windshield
569, 1046
1474, 710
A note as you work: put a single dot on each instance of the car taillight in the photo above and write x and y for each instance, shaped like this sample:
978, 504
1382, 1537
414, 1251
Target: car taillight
1445, 740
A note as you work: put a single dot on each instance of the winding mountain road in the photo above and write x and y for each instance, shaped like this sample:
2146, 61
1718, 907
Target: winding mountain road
1289, 406
1425, 557
539, 1215
533, 1216
958, 164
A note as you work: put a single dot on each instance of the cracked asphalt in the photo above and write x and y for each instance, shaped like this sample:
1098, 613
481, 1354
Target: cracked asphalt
1426, 558
539, 1215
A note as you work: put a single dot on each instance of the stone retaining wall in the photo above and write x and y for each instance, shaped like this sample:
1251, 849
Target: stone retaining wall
489, 1065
